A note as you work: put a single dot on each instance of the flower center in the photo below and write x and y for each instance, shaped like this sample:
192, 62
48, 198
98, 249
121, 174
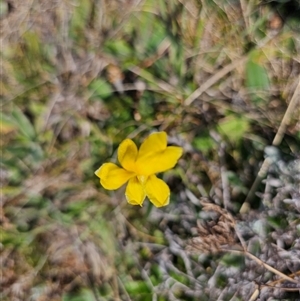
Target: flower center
142, 179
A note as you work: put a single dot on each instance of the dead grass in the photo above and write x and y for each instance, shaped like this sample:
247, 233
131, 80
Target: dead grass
221, 78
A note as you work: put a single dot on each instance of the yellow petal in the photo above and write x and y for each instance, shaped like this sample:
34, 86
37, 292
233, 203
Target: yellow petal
157, 191
112, 176
158, 161
155, 142
135, 193
127, 154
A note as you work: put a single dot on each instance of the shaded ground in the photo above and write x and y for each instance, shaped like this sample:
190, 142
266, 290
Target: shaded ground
221, 78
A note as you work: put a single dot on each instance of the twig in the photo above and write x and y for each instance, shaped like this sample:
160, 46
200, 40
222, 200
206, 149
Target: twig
272, 285
245, 13
276, 141
120, 283
255, 294
150, 78
268, 267
287, 116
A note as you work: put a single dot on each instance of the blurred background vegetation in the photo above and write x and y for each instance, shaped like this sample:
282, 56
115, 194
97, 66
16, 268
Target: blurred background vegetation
78, 77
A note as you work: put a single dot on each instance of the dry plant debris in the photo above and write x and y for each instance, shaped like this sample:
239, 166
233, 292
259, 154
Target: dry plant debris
221, 78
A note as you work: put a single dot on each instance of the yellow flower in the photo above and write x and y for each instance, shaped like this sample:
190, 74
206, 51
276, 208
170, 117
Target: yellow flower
139, 169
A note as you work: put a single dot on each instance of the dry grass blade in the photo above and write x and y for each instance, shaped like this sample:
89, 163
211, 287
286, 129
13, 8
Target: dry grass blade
288, 115
272, 285
160, 83
214, 79
268, 267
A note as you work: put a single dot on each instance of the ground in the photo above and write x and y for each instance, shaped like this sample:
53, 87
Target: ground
221, 78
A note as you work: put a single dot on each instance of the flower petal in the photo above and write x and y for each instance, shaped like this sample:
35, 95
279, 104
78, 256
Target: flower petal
155, 142
112, 176
135, 194
157, 191
159, 161
127, 154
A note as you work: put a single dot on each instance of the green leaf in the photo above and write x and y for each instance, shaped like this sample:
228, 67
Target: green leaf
13, 237
256, 76
146, 107
204, 144
136, 287
234, 127
257, 79
23, 123
180, 278
235, 182
33, 44
6, 124
76, 208
118, 47
84, 294
277, 222
100, 88
80, 14
233, 260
